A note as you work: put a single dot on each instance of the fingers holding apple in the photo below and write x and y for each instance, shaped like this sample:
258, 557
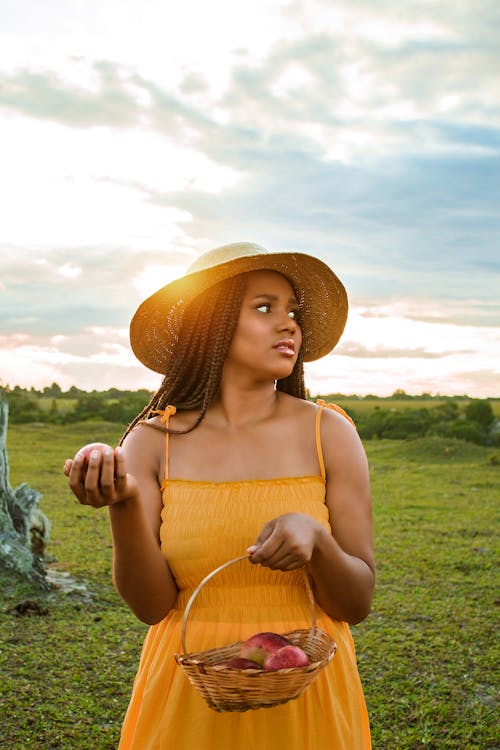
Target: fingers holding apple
98, 476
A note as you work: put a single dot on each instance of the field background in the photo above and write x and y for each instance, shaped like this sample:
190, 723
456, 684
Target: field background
427, 653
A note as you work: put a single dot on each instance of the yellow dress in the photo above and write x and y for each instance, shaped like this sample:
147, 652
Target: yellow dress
205, 524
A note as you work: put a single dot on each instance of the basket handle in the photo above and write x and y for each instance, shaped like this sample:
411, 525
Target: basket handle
197, 590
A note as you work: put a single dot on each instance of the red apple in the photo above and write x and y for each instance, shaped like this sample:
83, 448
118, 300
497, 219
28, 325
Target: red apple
87, 449
261, 645
283, 658
237, 662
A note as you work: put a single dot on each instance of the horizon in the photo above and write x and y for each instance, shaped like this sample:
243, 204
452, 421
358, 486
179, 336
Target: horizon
398, 393
368, 137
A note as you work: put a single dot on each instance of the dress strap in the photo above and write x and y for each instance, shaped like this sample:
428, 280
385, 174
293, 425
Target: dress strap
165, 415
319, 449
334, 407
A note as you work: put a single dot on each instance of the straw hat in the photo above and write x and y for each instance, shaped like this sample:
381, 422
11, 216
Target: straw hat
155, 326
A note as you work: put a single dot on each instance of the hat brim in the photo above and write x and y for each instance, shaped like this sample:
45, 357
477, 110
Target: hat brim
323, 303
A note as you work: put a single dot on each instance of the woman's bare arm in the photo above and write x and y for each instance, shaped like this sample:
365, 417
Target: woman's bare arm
127, 482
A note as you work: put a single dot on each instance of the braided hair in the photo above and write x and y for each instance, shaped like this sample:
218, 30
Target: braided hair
205, 336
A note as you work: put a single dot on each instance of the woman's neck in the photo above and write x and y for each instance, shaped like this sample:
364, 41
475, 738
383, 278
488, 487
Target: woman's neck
237, 406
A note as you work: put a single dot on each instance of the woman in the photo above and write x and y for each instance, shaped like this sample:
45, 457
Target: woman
230, 456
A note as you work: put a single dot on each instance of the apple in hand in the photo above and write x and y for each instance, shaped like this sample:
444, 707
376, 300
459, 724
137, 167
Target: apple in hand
283, 658
87, 450
261, 645
237, 662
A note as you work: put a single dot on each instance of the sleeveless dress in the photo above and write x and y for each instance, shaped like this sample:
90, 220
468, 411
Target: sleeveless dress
205, 524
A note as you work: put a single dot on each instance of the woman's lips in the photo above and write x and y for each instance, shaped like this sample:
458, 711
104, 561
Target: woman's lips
287, 347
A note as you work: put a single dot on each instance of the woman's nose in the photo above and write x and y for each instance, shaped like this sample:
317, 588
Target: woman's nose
287, 323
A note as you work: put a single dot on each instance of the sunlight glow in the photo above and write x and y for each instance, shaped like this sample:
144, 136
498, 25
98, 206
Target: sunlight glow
154, 276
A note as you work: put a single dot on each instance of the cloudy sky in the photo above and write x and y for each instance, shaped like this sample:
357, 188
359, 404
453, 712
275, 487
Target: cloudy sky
135, 134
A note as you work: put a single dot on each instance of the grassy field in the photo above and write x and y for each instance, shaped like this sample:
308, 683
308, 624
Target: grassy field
362, 406
427, 653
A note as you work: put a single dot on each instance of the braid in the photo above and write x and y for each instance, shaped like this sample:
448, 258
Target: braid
294, 384
205, 335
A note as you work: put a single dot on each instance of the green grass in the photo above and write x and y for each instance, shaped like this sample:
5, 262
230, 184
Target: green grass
427, 653
428, 650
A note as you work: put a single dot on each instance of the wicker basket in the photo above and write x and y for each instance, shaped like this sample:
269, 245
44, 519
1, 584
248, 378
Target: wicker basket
241, 690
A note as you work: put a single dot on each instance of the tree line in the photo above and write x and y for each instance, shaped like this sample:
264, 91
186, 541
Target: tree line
475, 424
53, 405
457, 417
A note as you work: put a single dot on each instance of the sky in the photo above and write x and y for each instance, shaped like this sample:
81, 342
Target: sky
136, 134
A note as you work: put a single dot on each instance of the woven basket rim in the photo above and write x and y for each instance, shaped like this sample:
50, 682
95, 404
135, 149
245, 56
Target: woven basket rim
198, 658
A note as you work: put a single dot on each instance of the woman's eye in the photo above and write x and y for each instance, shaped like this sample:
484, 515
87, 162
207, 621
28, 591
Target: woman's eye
294, 314
264, 308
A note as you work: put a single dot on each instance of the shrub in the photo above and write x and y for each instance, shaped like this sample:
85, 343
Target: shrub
480, 412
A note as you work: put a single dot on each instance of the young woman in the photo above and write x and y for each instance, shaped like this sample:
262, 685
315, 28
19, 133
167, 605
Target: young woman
229, 457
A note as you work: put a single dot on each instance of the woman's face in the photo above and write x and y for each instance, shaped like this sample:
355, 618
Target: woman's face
267, 338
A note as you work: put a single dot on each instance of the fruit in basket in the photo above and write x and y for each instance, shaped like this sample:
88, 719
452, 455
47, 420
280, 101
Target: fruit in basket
286, 657
261, 645
237, 662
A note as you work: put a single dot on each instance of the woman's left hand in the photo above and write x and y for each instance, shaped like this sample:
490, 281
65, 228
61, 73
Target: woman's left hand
286, 542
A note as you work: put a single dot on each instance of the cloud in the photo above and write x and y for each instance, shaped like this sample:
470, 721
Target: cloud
38, 367
41, 300
351, 92
354, 349
45, 95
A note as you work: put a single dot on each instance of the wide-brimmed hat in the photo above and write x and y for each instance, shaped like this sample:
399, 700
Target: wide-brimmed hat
155, 326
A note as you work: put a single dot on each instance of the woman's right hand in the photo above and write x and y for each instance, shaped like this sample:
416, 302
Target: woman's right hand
104, 481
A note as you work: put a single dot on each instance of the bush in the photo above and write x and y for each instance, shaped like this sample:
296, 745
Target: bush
23, 408
480, 412
394, 425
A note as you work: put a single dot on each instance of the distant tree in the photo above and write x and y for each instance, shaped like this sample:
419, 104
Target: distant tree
374, 424
24, 408
127, 408
408, 423
88, 406
54, 415
394, 424
399, 393
73, 392
115, 393
480, 412
445, 412
54, 390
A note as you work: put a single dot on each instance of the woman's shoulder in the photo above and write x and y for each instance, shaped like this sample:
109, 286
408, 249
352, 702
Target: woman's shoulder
147, 432
335, 411
293, 405
331, 413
